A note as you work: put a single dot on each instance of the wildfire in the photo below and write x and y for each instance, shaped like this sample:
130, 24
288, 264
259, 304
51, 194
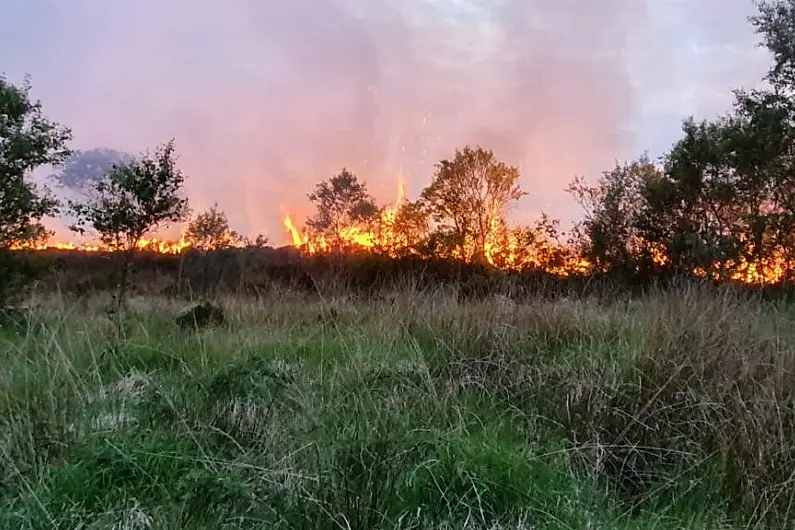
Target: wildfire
160, 246
381, 235
503, 248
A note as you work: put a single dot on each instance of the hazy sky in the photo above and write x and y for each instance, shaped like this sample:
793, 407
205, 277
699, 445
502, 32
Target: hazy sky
265, 98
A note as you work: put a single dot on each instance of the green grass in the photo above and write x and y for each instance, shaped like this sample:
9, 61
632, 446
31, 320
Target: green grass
670, 412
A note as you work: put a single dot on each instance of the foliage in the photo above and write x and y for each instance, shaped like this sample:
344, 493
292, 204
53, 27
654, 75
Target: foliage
341, 201
210, 231
723, 204
28, 140
468, 195
410, 227
775, 23
87, 166
133, 200
608, 236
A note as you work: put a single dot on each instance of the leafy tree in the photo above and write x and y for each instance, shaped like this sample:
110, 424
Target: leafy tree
210, 231
723, 204
468, 197
84, 167
775, 23
28, 140
410, 227
607, 236
131, 201
342, 202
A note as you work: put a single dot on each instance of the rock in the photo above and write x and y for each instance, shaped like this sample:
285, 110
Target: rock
201, 316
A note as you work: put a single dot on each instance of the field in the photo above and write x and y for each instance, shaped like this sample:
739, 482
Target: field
669, 410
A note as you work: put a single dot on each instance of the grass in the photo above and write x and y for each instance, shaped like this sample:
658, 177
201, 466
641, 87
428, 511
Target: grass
667, 412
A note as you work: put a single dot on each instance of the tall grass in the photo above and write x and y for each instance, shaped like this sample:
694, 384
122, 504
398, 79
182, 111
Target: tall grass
674, 410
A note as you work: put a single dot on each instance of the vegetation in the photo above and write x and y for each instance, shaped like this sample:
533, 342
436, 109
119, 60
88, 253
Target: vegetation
129, 202
462, 374
672, 410
210, 231
28, 140
342, 201
468, 196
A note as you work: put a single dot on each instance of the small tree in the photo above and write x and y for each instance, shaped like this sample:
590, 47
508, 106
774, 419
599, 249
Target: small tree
411, 227
342, 201
27, 140
608, 236
468, 198
210, 231
131, 201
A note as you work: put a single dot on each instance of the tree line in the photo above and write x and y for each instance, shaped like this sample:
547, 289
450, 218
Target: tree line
721, 201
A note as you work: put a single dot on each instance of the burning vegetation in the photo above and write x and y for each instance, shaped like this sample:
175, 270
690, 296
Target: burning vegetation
460, 216
720, 204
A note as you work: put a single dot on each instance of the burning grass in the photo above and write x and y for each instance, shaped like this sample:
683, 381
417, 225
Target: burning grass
674, 410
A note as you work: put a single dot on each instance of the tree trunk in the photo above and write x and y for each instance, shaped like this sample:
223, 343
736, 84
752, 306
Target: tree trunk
121, 290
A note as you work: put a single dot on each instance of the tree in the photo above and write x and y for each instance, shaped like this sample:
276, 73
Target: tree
28, 140
608, 237
210, 231
468, 196
342, 202
410, 227
775, 23
131, 201
84, 167
723, 204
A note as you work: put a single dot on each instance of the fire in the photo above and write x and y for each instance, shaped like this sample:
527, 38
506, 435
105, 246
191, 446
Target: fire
503, 248
381, 235
160, 246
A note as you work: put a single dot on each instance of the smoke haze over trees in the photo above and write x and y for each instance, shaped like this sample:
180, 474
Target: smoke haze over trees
274, 96
720, 203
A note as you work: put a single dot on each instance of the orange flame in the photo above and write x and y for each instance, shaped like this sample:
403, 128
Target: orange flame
160, 246
504, 248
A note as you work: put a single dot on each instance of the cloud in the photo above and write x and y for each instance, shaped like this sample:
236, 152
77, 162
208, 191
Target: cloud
266, 98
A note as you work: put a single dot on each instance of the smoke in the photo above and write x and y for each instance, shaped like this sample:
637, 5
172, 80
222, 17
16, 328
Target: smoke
266, 98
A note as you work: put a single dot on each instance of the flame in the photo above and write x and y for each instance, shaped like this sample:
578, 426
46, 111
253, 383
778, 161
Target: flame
381, 235
503, 248
160, 246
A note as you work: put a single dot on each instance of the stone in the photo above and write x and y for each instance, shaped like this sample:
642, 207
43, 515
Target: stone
201, 316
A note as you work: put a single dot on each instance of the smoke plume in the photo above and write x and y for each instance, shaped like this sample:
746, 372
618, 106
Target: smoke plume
265, 98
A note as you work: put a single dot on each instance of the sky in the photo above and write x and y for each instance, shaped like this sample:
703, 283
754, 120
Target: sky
265, 98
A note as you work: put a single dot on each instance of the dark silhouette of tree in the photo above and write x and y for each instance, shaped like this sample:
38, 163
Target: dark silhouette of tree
87, 166
28, 140
468, 196
410, 228
342, 201
131, 201
208, 233
775, 23
608, 236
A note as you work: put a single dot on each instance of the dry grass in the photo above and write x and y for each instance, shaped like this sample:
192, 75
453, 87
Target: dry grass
674, 410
